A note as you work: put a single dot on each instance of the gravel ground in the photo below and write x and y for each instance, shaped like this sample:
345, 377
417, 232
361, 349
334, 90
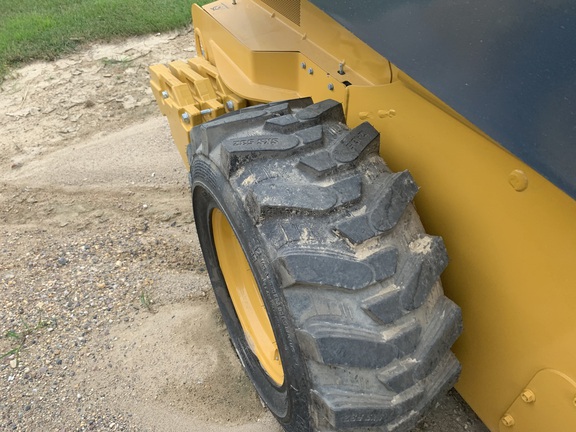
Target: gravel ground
107, 321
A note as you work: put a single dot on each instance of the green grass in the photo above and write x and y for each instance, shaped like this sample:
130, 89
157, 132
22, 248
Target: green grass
20, 338
46, 29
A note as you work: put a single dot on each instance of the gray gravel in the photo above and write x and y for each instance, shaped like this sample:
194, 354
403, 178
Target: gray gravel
103, 291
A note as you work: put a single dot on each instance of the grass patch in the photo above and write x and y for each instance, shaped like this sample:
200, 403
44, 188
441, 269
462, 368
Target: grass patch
20, 337
46, 29
146, 301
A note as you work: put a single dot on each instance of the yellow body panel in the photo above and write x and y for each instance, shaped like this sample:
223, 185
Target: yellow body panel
510, 233
511, 252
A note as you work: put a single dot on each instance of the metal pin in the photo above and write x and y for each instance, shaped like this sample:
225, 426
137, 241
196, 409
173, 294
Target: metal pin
341, 69
206, 111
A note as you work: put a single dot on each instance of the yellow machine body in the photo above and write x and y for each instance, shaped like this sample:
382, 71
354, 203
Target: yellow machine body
510, 233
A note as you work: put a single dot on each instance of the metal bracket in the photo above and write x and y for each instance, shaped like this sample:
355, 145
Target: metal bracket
547, 403
190, 93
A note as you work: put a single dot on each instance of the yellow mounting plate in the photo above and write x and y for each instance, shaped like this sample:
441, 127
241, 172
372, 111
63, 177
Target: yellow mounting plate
548, 403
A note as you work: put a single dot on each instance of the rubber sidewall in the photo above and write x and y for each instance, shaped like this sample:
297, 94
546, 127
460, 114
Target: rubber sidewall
290, 402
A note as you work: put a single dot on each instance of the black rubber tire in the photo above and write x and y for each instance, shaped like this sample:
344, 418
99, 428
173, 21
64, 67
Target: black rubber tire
348, 277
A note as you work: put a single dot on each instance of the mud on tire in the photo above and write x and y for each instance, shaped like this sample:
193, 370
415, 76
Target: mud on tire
348, 277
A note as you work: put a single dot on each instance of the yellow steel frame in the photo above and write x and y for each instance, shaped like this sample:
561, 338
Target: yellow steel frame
190, 93
510, 233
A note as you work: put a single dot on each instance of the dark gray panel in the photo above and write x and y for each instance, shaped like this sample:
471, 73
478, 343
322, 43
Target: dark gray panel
508, 66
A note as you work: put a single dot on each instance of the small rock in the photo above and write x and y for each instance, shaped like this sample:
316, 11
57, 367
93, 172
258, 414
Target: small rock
62, 261
14, 364
165, 217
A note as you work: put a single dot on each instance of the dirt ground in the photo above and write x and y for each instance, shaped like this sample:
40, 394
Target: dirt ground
106, 311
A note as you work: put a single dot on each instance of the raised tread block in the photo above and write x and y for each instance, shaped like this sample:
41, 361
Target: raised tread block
345, 410
435, 385
399, 376
421, 270
401, 191
280, 105
384, 308
270, 194
438, 337
218, 129
260, 143
398, 191
355, 142
311, 136
432, 351
340, 271
443, 376
323, 111
237, 151
284, 124
319, 163
349, 148
346, 345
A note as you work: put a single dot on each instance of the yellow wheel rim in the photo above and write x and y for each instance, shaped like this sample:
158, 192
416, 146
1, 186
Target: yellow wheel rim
246, 297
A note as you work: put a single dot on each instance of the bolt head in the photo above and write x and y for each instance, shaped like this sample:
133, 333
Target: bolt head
330, 86
186, 117
528, 396
311, 71
508, 420
518, 180
230, 105
165, 94
303, 65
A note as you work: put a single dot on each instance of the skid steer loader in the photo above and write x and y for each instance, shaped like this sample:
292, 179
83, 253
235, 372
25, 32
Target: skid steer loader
298, 122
